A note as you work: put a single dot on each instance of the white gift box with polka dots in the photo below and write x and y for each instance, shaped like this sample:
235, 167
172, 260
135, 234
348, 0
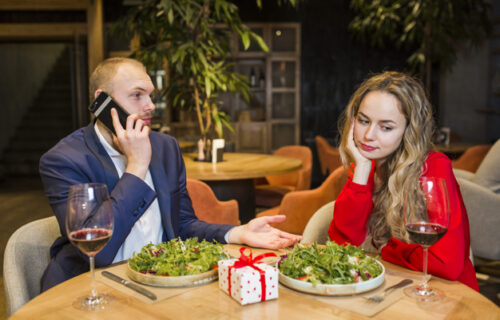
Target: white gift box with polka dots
245, 283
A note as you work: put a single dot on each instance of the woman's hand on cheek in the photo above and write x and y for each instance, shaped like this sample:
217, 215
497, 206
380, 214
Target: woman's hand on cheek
363, 164
359, 159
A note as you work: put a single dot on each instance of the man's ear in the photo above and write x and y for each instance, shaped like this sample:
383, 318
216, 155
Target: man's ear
97, 93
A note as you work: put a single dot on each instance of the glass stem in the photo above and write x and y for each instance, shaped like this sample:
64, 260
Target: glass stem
93, 291
425, 285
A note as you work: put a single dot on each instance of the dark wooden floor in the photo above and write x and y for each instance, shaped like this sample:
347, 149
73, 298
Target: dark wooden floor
22, 200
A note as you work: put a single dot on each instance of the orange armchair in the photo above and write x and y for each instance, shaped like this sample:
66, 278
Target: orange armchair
299, 206
471, 158
329, 156
270, 195
206, 206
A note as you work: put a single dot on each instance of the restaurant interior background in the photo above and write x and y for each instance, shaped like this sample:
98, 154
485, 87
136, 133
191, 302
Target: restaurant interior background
44, 79
43, 84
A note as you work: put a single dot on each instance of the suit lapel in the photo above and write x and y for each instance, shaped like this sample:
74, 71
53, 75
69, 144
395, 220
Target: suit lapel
162, 190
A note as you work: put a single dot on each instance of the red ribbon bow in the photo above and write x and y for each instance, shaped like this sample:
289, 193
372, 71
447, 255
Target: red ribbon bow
249, 261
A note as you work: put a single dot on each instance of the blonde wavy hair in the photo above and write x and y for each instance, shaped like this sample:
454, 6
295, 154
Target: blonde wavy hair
404, 167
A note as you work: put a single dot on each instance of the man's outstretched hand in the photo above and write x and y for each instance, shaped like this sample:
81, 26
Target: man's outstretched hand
258, 233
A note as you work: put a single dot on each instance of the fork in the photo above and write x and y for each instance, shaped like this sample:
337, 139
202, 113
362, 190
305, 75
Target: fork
381, 297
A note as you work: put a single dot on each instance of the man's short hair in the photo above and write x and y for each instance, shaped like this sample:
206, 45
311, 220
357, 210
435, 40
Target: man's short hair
103, 74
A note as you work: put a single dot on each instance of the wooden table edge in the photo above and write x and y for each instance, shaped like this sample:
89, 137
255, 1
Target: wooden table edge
208, 176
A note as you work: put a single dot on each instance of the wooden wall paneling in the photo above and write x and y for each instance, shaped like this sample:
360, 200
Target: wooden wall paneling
44, 4
95, 34
22, 31
252, 137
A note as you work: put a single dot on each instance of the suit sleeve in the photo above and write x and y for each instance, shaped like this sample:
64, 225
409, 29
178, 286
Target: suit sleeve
129, 198
352, 209
446, 257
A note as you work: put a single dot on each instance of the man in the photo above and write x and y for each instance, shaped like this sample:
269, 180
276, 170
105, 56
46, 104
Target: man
145, 174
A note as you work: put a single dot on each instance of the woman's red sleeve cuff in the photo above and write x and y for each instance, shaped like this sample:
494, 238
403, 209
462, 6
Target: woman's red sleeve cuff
357, 187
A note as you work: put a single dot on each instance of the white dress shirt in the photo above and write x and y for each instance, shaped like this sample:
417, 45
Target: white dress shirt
149, 227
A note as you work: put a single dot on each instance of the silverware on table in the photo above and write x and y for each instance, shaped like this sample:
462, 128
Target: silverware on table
137, 288
381, 297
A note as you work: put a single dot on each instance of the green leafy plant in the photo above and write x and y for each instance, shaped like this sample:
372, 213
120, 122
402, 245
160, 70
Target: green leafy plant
432, 30
190, 39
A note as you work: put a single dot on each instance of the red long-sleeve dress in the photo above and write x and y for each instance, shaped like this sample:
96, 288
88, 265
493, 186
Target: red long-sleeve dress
448, 258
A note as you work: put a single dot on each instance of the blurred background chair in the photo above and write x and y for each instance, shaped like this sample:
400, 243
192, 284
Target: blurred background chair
471, 158
208, 208
484, 218
270, 194
299, 206
328, 156
316, 229
25, 259
481, 194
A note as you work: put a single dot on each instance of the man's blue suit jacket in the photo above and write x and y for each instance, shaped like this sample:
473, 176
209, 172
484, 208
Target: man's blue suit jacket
81, 158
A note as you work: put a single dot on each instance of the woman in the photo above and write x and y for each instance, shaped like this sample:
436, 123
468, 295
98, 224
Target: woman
386, 138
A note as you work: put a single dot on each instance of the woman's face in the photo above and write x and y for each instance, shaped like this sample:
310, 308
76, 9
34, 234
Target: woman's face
379, 126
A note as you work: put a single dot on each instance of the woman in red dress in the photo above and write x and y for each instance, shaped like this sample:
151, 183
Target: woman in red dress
386, 139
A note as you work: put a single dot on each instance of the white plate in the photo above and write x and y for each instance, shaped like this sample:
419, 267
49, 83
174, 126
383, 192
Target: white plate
167, 281
333, 289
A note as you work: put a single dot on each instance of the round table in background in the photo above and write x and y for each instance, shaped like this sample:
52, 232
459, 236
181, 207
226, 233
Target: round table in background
186, 145
233, 177
454, 150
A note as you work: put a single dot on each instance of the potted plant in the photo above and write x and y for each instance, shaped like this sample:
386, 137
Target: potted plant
190, 40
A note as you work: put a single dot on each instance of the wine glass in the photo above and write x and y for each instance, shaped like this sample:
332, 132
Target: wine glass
89, 225
426, 223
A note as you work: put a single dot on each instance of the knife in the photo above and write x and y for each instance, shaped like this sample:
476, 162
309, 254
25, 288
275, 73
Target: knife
130, 285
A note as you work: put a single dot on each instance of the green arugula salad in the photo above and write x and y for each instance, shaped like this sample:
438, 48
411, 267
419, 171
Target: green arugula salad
329, 264
177, 257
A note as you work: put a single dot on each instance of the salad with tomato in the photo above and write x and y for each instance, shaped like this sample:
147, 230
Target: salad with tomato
177, 257
329, 264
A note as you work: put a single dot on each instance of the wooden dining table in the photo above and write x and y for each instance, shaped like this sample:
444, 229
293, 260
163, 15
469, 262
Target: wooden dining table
233, 178
208, 301
186, 145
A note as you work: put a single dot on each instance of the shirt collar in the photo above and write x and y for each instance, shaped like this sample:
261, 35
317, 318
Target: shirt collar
109, 149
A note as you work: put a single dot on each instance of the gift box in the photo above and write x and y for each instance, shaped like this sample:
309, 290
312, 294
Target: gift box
248, 281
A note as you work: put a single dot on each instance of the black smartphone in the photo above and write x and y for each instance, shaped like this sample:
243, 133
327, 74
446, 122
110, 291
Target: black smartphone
101, 108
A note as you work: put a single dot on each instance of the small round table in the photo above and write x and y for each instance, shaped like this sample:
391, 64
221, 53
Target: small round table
233, 177
186, 145
454, 150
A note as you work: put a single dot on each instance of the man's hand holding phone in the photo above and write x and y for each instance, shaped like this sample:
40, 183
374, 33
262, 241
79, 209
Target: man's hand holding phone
133, 141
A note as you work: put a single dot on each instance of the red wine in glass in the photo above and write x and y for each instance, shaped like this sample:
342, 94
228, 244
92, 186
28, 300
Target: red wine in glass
89, 226
426, 213
425, 233
90, 241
